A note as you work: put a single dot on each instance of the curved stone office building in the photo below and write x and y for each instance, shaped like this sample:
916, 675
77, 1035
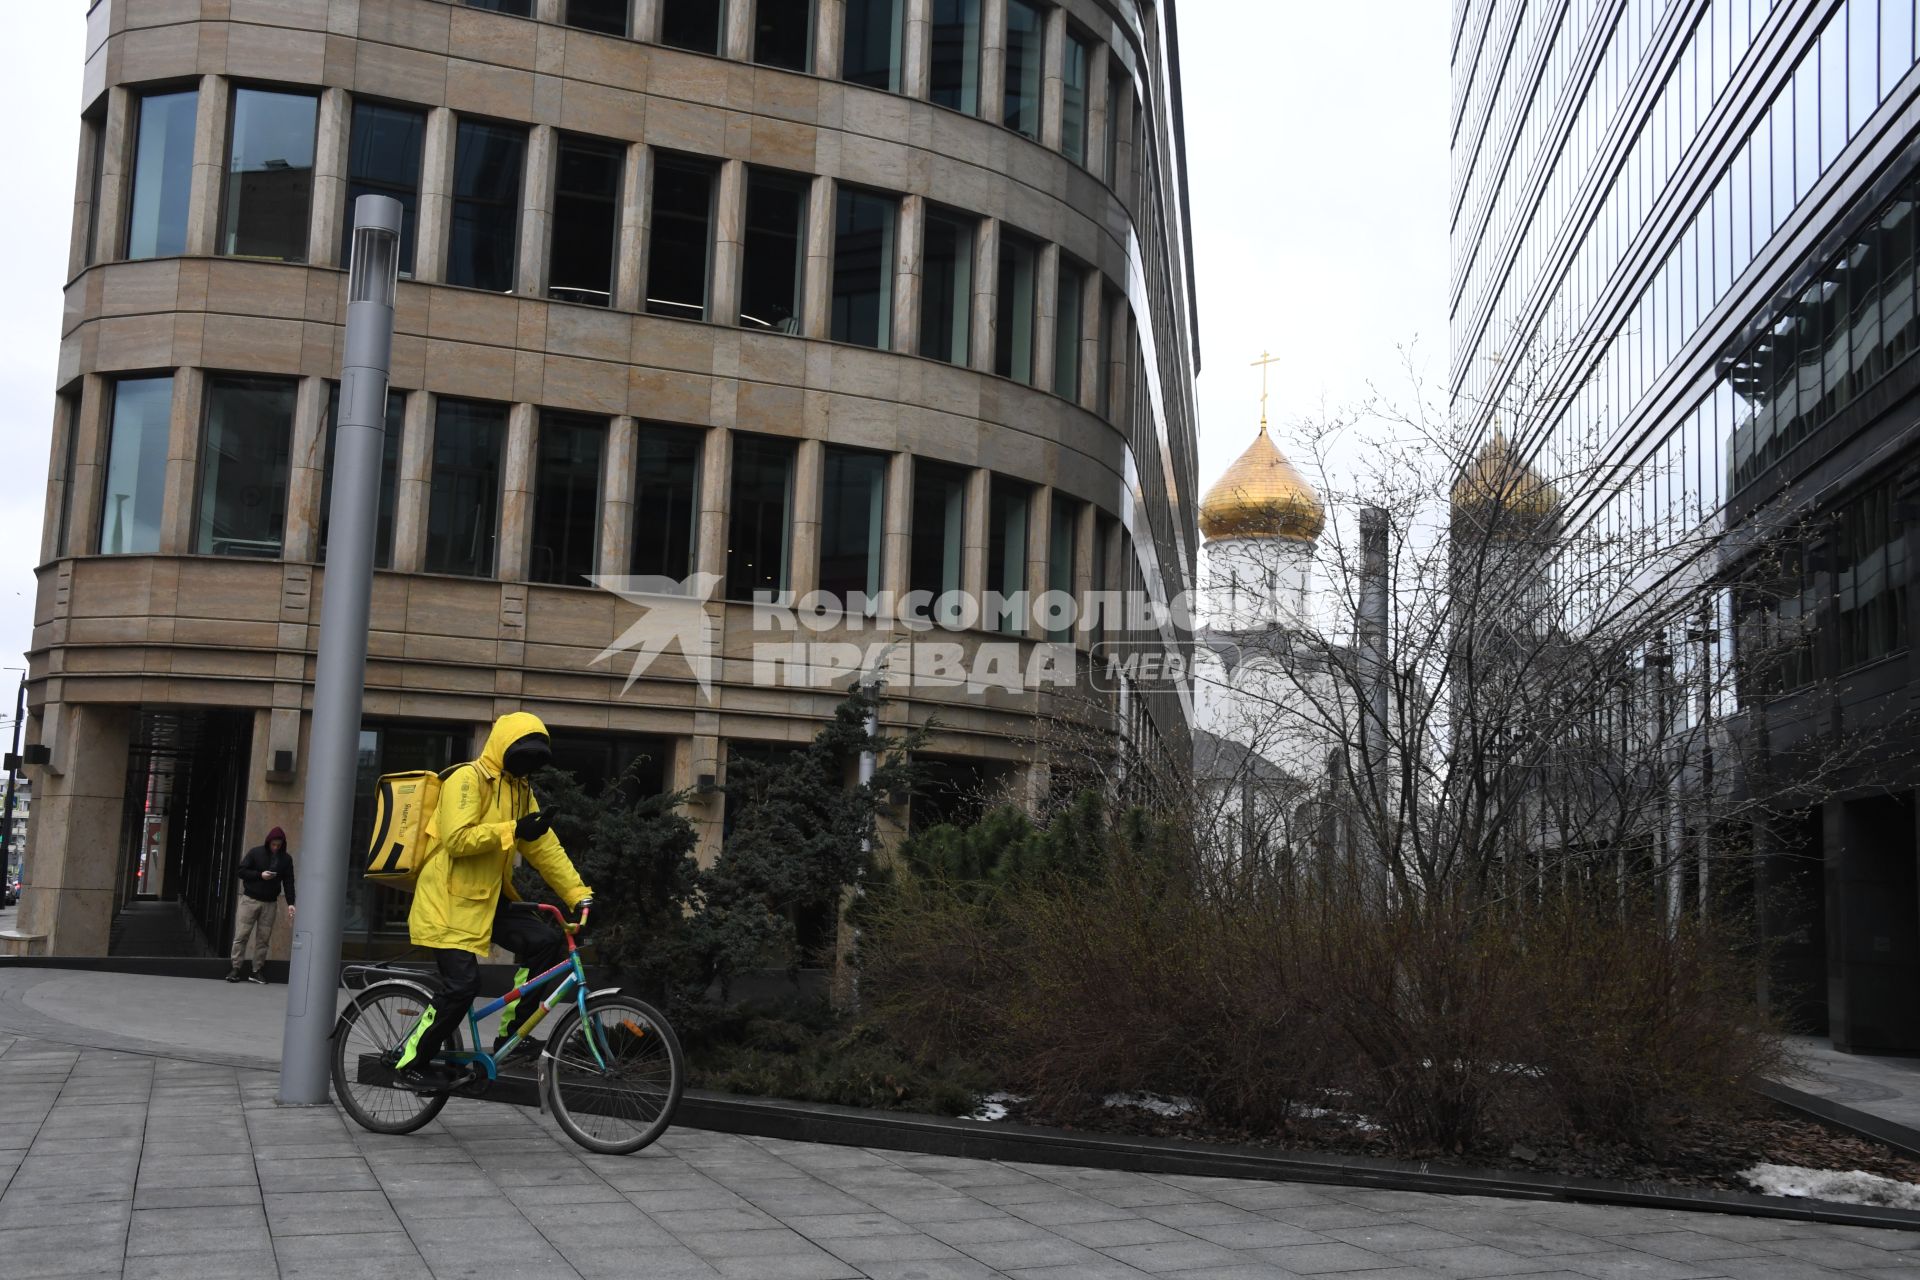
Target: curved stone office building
824, 299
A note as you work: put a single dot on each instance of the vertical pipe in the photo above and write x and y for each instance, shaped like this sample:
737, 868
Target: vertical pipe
341, 670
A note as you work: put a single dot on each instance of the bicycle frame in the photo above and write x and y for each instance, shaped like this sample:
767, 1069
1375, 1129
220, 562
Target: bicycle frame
573, 984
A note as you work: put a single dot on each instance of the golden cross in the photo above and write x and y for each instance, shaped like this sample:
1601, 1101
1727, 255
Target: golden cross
1261, 364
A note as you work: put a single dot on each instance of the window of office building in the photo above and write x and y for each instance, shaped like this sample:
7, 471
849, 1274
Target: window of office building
463, 511
383, 159
863, 259
488, 161
1069, 331
1013, 334
96, 144
946, 288
1870, 579
1076, 61
162, 175
871, 52
136, 466
680, 255
69, 419
937, 559
774, 255
641, 766
759, 517
244, 458
1063, 542
269, 175
516, 8
609, 17
665, 497
389, 474
954, 67
1007, 513
1115, 104
1026, 64
694, 24
566, 498
783, 34
1103, 365
586, 220
852, 524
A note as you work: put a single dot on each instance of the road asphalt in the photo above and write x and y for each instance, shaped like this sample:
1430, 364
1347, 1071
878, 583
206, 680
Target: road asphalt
140, 1137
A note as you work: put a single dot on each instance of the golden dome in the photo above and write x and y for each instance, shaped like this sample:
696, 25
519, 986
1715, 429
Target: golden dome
1262, 496
1498, 478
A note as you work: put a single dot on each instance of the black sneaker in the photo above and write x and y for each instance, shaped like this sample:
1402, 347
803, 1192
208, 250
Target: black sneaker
423, 1079
524, 1054
257, 977
236, 976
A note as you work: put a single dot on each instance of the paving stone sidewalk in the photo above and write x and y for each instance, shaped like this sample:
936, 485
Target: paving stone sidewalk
139, 1166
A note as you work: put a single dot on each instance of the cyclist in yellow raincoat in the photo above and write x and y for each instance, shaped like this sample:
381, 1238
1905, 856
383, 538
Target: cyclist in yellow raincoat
464, 902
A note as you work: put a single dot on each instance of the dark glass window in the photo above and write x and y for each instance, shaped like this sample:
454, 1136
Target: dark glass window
383, 159
759, 517
1069, 331
606, 16
1074, 84
586, 220
389, 475
783, 33
773, 257
517, 8
162, 175
863, 259
665, 498
488, 160
693, 24
678, 259
645, 763
1897, 320
954, 70
871, 53
1007, 514
136, 466
1026, 63
269, 175
1063, 542
1114, 123
946, 288
852, 524
69, 444
1013, 334
463, 511
1870, 579
244, 460
566, 498
938, 557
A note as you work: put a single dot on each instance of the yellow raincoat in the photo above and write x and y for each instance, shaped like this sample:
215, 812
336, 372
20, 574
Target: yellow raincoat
459, 889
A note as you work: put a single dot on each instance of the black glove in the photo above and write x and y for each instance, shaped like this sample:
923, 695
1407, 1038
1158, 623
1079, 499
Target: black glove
533, 826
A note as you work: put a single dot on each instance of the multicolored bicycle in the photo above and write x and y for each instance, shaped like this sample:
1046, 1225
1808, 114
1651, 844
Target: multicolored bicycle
611, 1073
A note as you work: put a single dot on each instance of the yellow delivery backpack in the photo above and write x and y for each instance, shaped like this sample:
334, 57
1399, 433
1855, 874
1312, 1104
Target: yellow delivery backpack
404, 805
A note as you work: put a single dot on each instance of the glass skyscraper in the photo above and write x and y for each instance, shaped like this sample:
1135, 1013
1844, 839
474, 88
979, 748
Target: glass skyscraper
1688, 228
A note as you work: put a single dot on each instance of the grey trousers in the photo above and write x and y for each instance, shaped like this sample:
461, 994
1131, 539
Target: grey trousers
253, 931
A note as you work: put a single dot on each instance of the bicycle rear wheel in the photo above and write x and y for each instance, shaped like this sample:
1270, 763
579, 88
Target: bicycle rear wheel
373, 1024
622, 1098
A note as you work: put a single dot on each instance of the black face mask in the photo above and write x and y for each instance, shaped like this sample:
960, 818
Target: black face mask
528, 756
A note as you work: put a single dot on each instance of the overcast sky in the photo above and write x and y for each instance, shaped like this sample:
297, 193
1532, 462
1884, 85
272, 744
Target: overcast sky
1316, 152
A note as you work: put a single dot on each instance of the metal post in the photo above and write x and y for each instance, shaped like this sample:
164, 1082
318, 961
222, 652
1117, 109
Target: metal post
13, 772
341, 671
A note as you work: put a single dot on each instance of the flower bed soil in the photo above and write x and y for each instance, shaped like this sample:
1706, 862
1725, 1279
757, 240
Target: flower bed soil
1707, 1155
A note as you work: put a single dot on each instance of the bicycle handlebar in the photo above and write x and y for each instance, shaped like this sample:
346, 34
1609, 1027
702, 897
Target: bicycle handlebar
561, 917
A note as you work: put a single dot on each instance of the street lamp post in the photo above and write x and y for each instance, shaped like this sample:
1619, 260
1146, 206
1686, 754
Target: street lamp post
340, 674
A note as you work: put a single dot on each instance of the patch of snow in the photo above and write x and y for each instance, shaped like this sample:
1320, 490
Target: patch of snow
1346, 1119
1849, 1186
993, 1107
1153, 1102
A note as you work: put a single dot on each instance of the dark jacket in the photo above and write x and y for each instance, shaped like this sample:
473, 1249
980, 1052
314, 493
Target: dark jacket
259, 859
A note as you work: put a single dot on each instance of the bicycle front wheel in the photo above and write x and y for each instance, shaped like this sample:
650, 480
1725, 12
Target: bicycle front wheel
614, 1077
372, 1025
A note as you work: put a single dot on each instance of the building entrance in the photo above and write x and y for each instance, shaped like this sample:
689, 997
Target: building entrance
181, 831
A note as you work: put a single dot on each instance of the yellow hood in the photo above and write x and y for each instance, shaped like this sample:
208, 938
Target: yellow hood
507, 730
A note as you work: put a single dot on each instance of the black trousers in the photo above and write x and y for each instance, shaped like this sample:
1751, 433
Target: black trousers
536, 946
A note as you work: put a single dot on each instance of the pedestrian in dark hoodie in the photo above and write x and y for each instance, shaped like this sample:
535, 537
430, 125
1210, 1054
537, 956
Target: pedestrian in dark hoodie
264, 871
